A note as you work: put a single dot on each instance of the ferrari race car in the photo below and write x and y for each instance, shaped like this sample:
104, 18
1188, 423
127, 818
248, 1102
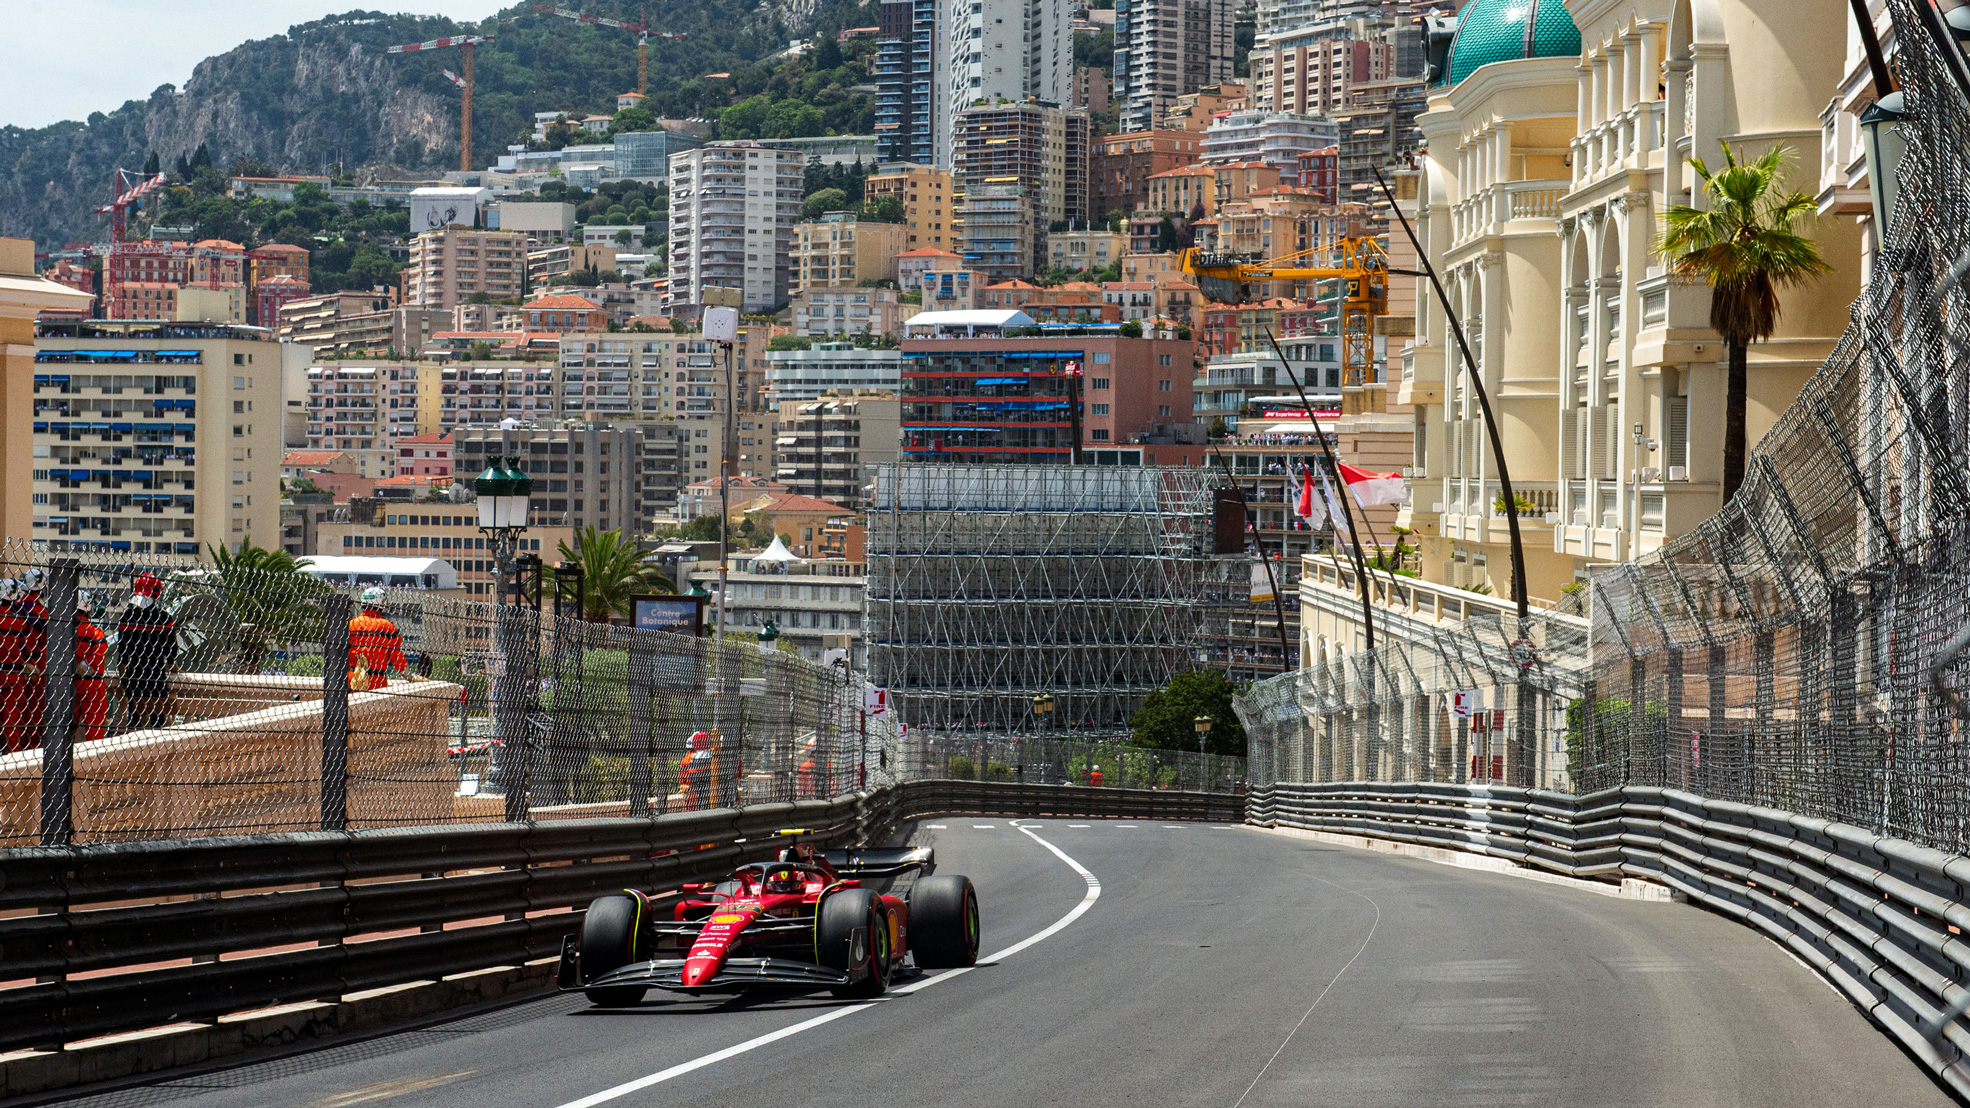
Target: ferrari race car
801, 923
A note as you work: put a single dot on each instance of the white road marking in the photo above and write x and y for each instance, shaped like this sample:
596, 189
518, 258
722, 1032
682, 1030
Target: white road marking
1087, 901
1174, 826
1077, 825
936, 826
983, 826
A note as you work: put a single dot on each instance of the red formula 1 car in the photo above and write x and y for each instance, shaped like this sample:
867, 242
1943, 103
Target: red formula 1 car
801, 923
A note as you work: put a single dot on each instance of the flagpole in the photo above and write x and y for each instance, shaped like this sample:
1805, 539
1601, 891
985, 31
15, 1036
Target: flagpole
1354, 540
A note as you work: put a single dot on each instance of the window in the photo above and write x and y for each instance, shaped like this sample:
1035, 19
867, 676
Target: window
1099, 434
1162, 359
1162, 409
1162, 386
1101, 409
1101, 357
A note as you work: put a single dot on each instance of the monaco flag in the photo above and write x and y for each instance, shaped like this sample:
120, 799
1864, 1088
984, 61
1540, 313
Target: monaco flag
1370, 489
1304, 509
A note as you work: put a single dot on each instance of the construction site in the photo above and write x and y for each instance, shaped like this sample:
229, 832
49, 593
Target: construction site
1034, 598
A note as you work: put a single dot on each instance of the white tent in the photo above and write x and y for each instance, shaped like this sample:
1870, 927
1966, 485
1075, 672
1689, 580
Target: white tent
778, 552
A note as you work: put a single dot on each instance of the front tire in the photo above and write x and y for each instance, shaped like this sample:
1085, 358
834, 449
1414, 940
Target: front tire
840, 915
608, 942
944, 922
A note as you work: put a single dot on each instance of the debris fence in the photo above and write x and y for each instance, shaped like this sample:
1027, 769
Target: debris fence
1797, 651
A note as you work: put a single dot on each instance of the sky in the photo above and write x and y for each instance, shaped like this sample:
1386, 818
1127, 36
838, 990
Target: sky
67, 58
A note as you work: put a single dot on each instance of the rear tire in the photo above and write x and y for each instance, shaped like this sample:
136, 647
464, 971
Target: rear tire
840, 915
608, 942
944, 922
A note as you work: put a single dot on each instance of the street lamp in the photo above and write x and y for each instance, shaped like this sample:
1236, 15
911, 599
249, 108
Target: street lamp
1885, 145
504, 493
769, 639
1043, 706
1202, 724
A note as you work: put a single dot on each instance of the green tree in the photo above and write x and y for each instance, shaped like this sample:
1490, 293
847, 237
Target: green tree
889, 209
1167, 716
613, 569
789, 342
634, 119
1131, 329
1746, 244
826, 200
273, 600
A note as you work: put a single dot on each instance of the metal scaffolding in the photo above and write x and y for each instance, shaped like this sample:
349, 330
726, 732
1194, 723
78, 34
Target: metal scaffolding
990, 585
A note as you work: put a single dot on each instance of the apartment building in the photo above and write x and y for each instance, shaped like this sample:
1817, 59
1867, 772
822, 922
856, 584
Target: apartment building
1000, 50
364, 410
424, 455
155, 438
1023, 167
584, 474
732, 212
840, 249
816, 606
826, 310
906, 81
831, 367
928, 198
1276, 138
447, 266
1085, 250
1122, 164
1192, 113
826, 448
986, 398
1164, 49
373, 527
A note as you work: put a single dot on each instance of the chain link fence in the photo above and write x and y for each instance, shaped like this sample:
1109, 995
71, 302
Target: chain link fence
166, 698
1799, 650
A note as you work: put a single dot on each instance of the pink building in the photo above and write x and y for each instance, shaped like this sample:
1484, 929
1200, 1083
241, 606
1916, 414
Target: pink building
424, 456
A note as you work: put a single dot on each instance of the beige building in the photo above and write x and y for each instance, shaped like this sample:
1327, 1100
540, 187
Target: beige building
22, 297
155, 443
825, 448
824, 310
450, 265
839, 249
370, 527
1539, 196
1084, 250
928, 203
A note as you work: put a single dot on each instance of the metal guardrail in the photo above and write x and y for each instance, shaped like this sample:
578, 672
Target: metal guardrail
1881, 918
106, 938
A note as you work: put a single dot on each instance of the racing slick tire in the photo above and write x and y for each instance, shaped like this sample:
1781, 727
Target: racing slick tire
839, 915
608, 942
944, 921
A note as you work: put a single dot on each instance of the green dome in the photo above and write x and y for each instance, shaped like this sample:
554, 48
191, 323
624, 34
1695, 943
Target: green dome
1507, 31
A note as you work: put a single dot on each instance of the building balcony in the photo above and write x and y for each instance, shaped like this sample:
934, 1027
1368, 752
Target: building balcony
1630, 140
1493, 209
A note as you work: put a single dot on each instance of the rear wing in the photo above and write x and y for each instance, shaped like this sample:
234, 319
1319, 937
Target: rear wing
882, 862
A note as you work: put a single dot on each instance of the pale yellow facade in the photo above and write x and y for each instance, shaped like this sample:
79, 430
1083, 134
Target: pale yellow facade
842, 250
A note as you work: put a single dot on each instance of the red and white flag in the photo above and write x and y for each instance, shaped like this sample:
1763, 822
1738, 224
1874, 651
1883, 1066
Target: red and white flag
1305, 507
1370, 489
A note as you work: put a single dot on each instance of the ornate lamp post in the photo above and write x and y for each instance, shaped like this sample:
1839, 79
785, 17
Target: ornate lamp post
1202, 725
504, 494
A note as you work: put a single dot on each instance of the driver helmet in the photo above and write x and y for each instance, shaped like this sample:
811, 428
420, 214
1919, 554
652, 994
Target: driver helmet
785, 881
373, 596
33, 579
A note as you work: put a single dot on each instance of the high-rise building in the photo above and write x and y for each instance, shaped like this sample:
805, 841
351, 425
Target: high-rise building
927, 196
448, 266
838, 368
732, 212
1165, 49
828, 448
995, 50
154, 439
364, 410
585, 474
906, 81
1023, 167
1275, 138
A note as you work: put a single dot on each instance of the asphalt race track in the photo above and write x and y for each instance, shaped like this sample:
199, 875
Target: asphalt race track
1219, 966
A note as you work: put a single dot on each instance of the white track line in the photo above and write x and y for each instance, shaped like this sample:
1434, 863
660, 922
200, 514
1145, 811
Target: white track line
682, 1068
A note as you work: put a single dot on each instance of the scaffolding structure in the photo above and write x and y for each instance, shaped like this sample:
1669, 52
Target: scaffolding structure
988, 586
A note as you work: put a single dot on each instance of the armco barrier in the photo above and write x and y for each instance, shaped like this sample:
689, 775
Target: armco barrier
1882, 919
102, 939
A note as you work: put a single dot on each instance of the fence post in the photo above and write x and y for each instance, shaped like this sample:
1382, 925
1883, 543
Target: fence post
640, 664
58, 715
517, 632
335, 713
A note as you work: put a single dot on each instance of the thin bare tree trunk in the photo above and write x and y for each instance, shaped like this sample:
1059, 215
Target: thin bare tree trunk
1735, 447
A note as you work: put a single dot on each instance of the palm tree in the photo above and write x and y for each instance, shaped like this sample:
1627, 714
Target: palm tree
272, 598
1746, 246
613, 569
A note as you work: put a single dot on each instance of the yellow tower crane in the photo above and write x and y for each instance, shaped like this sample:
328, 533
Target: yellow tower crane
1363, 264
